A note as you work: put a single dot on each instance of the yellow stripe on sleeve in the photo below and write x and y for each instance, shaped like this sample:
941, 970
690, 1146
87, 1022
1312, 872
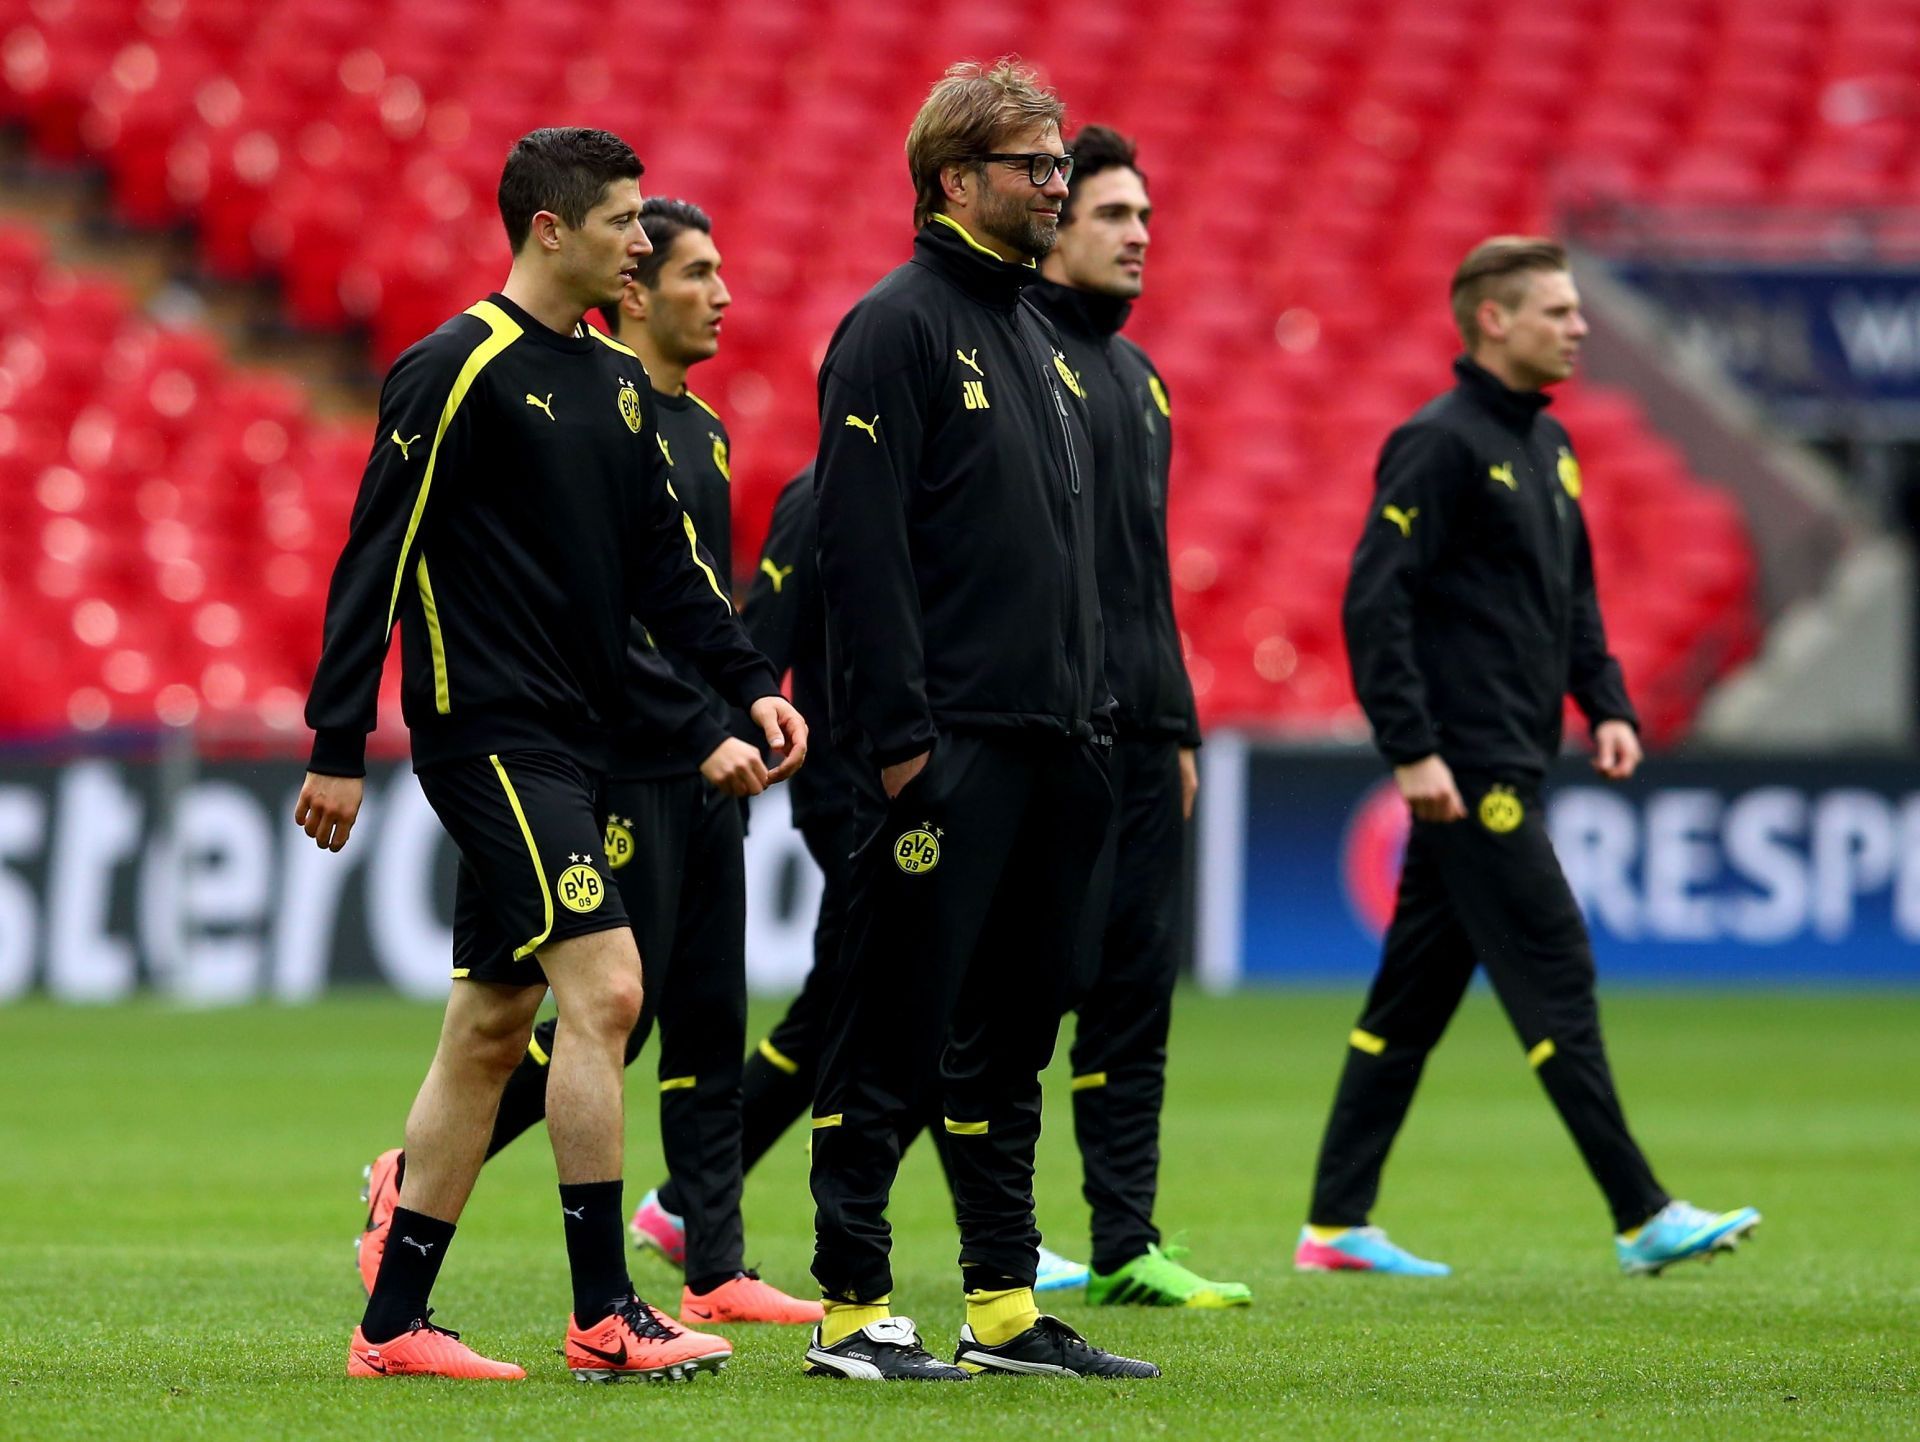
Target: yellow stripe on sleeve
442, 691
504, 332
677, 1083
537, 1052
821, 1123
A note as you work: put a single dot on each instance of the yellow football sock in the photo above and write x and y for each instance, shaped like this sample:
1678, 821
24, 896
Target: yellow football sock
843, 1319
998, 1317
1325, 1234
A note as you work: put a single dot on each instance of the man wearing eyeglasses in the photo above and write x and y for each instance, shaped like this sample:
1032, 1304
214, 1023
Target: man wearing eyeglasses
963, 615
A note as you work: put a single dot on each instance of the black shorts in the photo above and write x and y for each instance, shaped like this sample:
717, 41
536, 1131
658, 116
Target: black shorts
530, 827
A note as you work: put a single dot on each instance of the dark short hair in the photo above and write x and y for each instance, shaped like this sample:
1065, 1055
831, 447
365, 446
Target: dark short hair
664, 219
1498, 268
1096, 148
565, 169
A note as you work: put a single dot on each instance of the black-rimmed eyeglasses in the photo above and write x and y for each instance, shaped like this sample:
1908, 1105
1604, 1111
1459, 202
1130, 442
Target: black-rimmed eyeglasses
1041, 164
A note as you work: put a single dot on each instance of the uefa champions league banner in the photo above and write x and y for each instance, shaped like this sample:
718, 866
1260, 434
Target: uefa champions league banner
192, 882
1708, 872
120, 876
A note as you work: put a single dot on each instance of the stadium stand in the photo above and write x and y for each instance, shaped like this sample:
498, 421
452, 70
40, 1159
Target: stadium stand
1318, 170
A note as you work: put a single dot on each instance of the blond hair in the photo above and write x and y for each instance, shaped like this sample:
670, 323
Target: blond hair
970, 111
1498, 269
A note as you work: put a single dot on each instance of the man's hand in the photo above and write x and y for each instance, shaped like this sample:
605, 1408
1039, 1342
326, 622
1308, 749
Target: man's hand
1189, 780
1430, 791
894, 778
1617, 752
733, 768
327, 808
786, 733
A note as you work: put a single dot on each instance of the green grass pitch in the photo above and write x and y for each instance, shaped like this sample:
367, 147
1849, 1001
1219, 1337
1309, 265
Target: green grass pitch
177, 1203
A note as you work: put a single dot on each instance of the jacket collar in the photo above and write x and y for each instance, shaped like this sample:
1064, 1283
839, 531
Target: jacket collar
1085, 311
944, 247
1514, 409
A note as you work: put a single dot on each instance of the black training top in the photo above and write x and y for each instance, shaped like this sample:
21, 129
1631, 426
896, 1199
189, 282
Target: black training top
954, 484
1131, 416
674, 719
1471, 614
786, 620
514, 514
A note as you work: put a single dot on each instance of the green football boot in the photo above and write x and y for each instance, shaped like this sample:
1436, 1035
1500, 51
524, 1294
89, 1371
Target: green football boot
1157, 1279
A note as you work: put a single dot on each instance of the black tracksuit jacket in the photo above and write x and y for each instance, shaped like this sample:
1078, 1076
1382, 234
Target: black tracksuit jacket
954, 485
514, 514
1470, 612
1131, 417
786, 620
674, 718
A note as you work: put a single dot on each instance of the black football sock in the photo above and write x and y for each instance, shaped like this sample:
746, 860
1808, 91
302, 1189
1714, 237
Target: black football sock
700, 1286
596, 1248
416, 1246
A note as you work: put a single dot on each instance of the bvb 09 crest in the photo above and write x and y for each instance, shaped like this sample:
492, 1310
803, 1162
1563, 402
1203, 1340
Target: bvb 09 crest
630, 406
1501, 811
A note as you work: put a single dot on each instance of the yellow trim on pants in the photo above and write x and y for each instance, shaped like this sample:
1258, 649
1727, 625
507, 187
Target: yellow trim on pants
777, 1057
1541, 1054
539, 871
537, 1052
966, 1129
677, 1083
832, 1121
1088, 1082
1366, 1041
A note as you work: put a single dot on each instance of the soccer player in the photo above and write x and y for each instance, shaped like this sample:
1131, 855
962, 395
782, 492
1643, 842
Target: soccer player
963, 618
785, 622
1124, 995
675, 831
515, 577
1470, 615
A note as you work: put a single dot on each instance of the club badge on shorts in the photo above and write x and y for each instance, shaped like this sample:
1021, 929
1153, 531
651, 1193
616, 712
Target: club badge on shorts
619, 841
918, 850
1501, 811
580, 888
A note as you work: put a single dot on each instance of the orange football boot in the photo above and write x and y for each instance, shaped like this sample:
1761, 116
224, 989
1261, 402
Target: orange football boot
746, 1299
637, 1341
382, 1195
424, 1350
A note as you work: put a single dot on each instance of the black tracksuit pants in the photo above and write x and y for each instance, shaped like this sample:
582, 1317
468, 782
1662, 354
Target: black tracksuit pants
1485, 891
968, 899
684, 887
1124, 997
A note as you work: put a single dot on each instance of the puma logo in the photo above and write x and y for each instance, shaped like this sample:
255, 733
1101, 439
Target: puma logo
403, 444
579, 1214
867, 426
545, 405
426, 1248
966, 359
1503, 473
776, 574
1402, 519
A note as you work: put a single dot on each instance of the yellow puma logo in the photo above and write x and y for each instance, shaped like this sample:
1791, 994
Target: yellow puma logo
1503, 473
776, 574
867, 426
966, 359
1402, 519
403, 444
545, 405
